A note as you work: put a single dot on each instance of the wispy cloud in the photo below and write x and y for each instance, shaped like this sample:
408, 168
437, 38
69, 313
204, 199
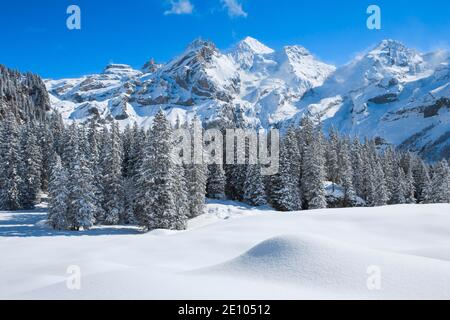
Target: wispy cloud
180, 7
234, 8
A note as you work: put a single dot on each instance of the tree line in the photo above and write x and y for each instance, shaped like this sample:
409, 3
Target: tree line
98, 174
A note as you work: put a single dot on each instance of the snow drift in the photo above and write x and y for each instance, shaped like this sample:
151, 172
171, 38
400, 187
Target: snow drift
236, 252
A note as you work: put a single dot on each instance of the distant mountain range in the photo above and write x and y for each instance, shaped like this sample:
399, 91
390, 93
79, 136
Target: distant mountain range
392, 93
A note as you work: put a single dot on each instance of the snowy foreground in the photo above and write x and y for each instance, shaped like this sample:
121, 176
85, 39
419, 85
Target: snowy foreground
235, 252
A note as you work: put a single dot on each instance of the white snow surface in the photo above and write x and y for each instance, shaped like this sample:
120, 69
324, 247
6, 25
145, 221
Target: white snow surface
236, 252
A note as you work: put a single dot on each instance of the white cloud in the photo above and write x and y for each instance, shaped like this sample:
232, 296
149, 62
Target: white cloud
234, 8
180, 7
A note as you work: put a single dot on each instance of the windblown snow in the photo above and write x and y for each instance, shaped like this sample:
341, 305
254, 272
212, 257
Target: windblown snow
236, 252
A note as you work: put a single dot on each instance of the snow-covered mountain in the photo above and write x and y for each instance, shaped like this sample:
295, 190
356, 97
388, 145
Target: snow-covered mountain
251, 84
394, 93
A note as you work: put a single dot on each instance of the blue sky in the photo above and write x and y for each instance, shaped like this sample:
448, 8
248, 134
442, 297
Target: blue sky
34, 36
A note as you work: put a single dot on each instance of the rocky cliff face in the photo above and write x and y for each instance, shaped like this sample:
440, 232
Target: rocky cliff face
23, 95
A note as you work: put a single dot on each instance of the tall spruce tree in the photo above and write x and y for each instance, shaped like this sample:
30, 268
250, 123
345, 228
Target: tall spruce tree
285, 194
59, 196
156, 203
215, 188
422, 182
313, 166
196, 173
10, 177
83, 206
111, 177
346, 173
440, 183
31, 168
332, 158
254, 186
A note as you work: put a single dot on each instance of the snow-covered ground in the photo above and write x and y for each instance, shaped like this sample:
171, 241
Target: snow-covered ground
236, 252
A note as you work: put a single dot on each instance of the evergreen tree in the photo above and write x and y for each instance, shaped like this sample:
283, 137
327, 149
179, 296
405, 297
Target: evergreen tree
358, 168
440, 183
313, 167
181, 193
285, 192
111, 177
410, 190
346, 173
59, 197
380, 194
254, 189
156, 203
10, 177
196, 176
398, 195
422, 182
215, 188
46, 143
332, 158
83, 206
390, 164
31, 168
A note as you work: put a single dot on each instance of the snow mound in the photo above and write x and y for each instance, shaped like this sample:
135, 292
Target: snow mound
320, 263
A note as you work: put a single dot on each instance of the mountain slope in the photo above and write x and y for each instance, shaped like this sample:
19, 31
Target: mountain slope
23, 95
392, 93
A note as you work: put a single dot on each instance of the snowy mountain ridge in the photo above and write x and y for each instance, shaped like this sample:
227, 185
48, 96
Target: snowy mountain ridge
393, 93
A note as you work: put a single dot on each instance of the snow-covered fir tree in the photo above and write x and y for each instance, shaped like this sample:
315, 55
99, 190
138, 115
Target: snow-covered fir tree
58, 196
215, 188
31, 167
196, 173
111, 177
83, 206
398, 195
254, 187
332, 158
313, 166
285, 194
156, 203
440, 183
10, 157
422, 182
346, 173
358, 168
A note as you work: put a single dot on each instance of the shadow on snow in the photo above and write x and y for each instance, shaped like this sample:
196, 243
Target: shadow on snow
26, 224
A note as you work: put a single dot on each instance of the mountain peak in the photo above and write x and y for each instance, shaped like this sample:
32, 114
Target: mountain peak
199, 43
392, 52
255, 46
151, 66
297, 50
120, 70
390, 43
112, 67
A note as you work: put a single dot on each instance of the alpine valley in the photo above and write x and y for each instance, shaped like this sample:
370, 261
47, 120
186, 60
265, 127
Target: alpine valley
392, 93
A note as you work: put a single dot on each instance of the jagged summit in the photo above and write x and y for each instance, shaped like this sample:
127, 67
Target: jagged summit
390, 43
254, 45
199, 44
395, 53
117, 68
151, 66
